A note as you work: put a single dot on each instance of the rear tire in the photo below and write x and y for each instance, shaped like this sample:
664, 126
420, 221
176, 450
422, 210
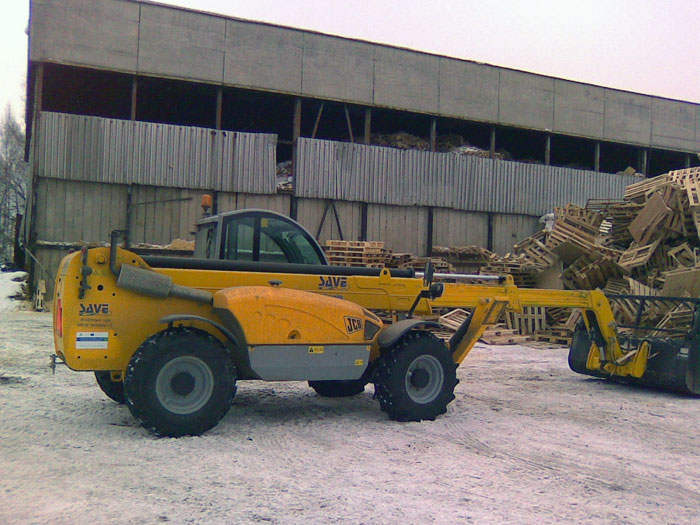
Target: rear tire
112, 389
180, 382
338, 388
415, 378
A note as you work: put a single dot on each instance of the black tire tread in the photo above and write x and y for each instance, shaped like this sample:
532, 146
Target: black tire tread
389, 388
146, 355
112, 389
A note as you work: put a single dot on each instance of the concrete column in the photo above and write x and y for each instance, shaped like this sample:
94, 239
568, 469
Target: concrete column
596, 157
643, 159
433, 134
347, 119
492, 147
318, 120
296, 132
296, 125
687, 161
368, 128
547, 150
219, 106
134, 96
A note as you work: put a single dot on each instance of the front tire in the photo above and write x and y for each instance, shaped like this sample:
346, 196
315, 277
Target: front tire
415, 378
112, 389
180, 382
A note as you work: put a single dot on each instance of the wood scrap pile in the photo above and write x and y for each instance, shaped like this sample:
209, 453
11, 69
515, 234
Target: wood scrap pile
465, 259
644, 244
656, 226
451, 143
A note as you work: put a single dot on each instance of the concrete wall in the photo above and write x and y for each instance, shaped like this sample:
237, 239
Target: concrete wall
146, 39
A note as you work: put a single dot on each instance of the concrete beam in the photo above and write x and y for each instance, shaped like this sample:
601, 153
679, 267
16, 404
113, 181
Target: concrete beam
177, 43
579, 109
337, 69
406, 80
97, 33
526, 100
627, 117
468, 90
263, 57
673, 124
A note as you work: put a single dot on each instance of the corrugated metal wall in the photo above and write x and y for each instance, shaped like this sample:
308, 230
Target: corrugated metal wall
459, 228
87, 167
77, 147
353, 172
71, 211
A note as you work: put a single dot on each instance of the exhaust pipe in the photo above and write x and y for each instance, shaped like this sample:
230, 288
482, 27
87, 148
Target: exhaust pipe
148, 282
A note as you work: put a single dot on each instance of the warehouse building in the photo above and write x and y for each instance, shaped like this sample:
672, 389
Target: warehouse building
136, 109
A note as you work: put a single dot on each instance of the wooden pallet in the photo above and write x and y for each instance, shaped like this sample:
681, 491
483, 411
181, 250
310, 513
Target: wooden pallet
651, 221
354, 244
453, 319
500, 335
635, 257
555, 335
535, 250
639, 191
531, 320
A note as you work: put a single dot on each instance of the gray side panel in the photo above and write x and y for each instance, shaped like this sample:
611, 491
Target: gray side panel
298, 363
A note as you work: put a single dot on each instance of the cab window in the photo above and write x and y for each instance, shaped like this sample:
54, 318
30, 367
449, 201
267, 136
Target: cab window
258, 237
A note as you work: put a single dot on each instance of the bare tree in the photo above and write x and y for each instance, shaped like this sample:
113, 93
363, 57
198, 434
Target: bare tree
13, 179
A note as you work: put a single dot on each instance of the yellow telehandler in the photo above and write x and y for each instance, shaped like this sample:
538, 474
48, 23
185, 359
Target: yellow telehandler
171, 336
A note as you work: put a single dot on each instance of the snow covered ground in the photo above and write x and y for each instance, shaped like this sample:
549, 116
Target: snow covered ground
525, 441
10, 288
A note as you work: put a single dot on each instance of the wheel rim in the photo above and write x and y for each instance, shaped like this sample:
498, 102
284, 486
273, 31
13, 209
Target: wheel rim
424, 379
184, 385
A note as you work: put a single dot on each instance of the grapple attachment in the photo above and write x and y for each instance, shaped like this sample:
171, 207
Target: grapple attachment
673, 349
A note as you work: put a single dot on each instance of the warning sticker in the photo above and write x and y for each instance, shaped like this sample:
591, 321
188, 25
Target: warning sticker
91, 340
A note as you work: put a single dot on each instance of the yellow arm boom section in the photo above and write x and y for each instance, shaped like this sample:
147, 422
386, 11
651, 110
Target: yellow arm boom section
397, 294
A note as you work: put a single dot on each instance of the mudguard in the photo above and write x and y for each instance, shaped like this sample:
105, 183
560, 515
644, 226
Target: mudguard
396, 331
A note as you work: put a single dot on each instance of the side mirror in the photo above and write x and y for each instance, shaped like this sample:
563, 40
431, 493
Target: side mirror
428, 275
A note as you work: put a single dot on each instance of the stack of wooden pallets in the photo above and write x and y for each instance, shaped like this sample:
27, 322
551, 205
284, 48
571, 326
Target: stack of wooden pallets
356, 253
493, 335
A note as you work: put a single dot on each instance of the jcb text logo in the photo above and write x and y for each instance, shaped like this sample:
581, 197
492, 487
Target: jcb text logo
329, 282
353, 324
94, 309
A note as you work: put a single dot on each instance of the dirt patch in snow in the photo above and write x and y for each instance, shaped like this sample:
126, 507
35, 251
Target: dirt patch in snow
525, 441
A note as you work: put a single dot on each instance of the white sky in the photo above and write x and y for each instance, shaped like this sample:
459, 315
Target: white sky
645, 46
